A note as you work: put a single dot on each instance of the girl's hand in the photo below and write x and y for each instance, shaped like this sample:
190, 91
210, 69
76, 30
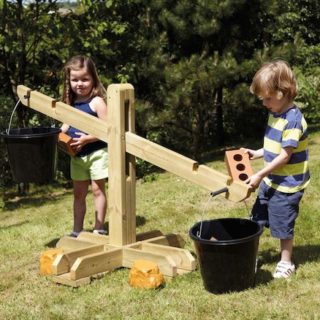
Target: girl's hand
78, 143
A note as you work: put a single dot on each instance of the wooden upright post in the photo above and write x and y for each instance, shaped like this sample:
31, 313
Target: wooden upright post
122, 207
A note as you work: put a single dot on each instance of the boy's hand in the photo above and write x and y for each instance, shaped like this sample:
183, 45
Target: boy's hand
253, 154
254, 181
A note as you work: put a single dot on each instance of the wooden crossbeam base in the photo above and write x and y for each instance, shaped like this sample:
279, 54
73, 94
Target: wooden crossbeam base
90, 256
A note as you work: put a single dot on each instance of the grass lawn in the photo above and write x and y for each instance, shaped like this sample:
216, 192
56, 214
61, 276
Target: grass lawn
32, 224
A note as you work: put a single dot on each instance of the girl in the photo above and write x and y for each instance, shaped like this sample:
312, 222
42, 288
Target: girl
84, 91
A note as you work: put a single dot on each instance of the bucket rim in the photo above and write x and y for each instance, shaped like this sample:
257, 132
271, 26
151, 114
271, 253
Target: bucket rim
225, 242
13, 135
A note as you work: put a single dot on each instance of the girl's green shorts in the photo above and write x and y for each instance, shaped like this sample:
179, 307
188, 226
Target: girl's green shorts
93, 166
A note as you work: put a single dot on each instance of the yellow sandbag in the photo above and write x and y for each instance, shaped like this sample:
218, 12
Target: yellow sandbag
145, 274
46, 260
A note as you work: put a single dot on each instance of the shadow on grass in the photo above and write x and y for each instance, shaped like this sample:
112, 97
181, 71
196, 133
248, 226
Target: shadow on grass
35, 199
306, 253
263, 277
52, 243
14, 225
302, 255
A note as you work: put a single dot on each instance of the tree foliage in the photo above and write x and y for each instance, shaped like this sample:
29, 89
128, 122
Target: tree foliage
190, 61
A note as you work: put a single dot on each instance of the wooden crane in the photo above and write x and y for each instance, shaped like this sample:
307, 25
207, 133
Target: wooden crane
90, 255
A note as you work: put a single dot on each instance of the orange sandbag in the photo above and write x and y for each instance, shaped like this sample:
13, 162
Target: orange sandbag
145, 274
46, 260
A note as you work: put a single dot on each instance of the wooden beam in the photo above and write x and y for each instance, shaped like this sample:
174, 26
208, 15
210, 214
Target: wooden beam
93, 238
186, 168
172, 239
65, 260
66, 280
71, 243
158, 155
134, 145
182, 258
148, 235
238, 191
63, 113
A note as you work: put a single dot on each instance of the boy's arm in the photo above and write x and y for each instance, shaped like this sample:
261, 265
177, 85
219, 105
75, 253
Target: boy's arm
279, 161
253, 154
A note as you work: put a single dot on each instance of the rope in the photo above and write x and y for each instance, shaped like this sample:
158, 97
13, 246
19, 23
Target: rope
247, 208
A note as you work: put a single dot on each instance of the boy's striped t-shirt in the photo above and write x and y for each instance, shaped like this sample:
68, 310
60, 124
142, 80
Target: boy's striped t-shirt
287, 130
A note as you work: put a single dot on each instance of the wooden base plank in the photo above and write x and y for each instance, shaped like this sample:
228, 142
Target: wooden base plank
172, 239
96, 263
65, 280
90, 256
64, 261
93, 238
71, 243
148, 235
182, 258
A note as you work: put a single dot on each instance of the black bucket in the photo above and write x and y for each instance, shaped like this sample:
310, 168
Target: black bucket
227, 252
32, 153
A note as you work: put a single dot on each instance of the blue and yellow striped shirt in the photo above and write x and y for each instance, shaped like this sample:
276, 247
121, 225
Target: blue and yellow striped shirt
287, 130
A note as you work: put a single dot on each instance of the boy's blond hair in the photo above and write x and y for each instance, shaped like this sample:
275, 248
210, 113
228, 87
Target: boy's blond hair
275, 77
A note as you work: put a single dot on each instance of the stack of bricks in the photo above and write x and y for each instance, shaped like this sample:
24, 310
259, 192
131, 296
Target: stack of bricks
238, 164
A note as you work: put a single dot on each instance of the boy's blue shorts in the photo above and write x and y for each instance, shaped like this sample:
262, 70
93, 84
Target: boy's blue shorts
277, 210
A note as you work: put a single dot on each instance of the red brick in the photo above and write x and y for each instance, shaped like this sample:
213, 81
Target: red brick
64, 142
238, 164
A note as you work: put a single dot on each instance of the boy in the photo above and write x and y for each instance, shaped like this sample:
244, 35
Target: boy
285, 150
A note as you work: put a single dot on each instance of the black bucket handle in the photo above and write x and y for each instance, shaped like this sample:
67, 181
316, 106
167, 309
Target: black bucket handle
212, 194
14, 109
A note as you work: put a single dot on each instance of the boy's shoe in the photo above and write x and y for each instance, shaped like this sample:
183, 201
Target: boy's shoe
101, 232
284, 270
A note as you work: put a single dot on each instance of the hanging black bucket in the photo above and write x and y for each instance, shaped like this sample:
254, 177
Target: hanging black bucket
32, 153
227, 251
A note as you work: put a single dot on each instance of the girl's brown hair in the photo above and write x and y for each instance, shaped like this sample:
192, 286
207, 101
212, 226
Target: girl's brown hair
77, 63
275, 77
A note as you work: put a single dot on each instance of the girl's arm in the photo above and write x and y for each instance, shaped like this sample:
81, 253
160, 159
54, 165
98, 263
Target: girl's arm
98, 105
64, 127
